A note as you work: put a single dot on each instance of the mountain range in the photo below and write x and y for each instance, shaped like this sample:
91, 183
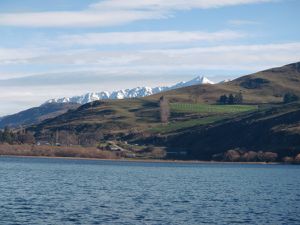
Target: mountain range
197, 127
56, 107
263, 125
137, 92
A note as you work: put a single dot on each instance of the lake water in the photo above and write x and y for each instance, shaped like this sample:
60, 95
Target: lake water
58, 191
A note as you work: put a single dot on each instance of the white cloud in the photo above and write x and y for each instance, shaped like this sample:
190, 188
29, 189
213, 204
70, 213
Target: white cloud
76, 19
251, 57
149, 37
169, 5
222, 57
18, 55
12, 75
113, 12
242, 22
228, 55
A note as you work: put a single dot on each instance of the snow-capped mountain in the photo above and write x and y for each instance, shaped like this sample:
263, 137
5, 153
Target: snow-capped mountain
137, 92
195, 81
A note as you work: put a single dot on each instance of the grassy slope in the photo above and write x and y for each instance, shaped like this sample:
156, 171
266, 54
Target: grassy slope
263, 87
186, 115
177, 126
204, 108
138, 115
109, 116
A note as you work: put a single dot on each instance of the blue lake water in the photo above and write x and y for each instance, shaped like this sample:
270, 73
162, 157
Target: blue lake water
58, 191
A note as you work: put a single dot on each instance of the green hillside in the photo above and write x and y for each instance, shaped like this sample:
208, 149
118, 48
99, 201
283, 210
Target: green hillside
196, 124
205, 108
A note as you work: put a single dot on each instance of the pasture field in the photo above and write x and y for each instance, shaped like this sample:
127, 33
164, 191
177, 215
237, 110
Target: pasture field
205, 108
178, 125
207, 114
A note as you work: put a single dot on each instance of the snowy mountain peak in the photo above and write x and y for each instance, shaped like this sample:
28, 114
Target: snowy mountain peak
137, 92
201, 80
196, 81
205, 80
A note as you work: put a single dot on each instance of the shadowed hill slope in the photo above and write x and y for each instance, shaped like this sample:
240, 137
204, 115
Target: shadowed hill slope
275, 129
36, 114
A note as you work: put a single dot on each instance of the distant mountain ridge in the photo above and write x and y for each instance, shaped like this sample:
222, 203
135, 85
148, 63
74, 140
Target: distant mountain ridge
36, 114
56, 107
137, 92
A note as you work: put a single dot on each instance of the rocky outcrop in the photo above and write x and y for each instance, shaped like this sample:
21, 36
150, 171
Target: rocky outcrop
250, 156
232, 156
236, 155
267, 156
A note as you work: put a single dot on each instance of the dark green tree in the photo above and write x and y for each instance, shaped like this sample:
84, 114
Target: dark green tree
223, 99
7, 136
231, 99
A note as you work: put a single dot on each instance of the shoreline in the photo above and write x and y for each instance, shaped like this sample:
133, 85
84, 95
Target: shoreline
145, 160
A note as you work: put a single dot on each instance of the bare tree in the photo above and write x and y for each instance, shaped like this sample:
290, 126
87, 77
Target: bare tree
67, 138
164, 109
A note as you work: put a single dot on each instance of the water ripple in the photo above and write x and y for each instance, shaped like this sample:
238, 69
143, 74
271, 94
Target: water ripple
56, 191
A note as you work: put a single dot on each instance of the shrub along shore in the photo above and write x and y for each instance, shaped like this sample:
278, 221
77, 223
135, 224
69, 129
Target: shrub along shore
78, 152
56, 151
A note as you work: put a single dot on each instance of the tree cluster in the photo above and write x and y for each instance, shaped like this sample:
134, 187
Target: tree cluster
290, 97
70, 137
19, 137
231, 99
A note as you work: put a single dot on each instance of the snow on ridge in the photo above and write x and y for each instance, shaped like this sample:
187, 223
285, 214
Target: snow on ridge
137, 92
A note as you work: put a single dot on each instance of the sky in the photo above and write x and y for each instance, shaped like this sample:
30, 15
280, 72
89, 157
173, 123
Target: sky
62, 48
